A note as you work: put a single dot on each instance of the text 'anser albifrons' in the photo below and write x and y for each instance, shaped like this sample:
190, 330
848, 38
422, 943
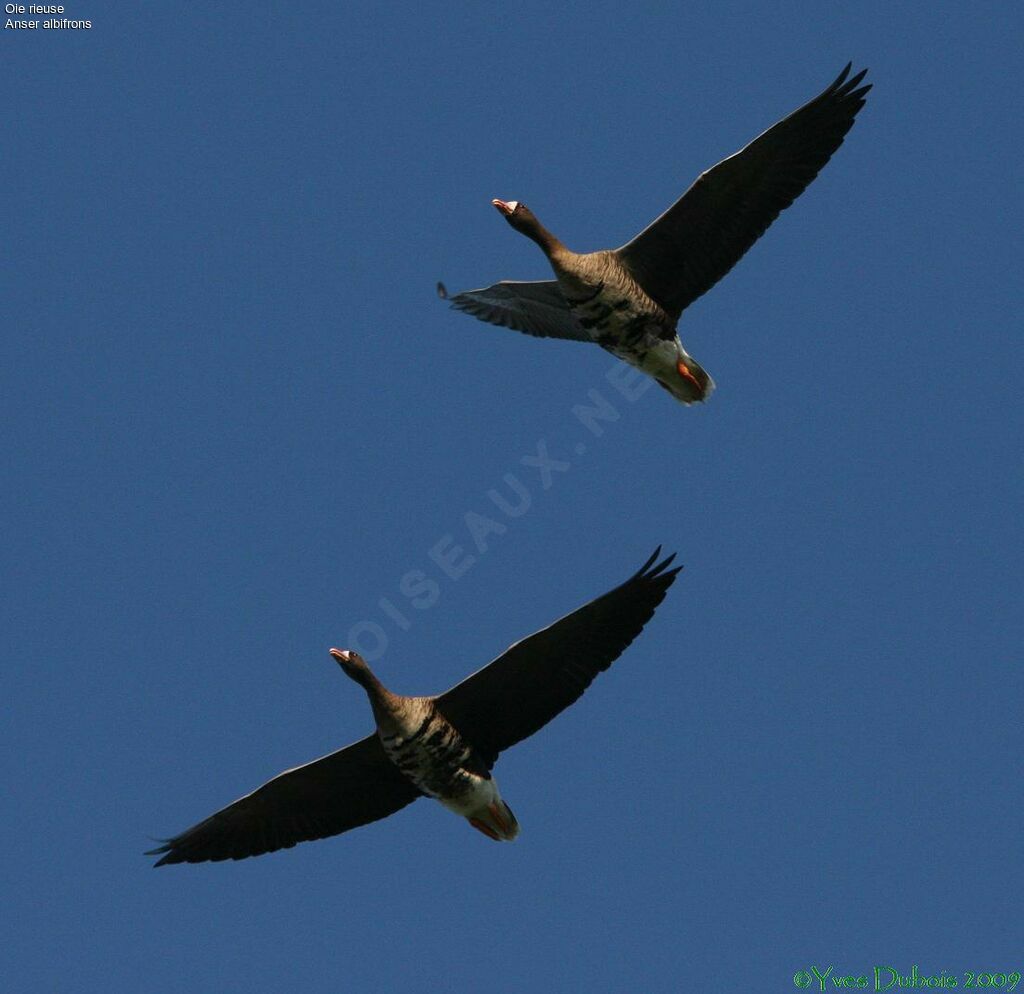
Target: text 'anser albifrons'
629, 300
442, 747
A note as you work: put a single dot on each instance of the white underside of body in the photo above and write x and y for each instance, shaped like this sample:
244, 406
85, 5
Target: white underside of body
482, 803
650, 352
660, 361
480, 795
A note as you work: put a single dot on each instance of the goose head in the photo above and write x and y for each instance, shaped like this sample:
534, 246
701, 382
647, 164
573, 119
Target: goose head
524, 221
355, 667
520, 217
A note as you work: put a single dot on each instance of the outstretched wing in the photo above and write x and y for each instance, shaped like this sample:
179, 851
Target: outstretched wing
536, 308
540, 676
348, 788
687, 250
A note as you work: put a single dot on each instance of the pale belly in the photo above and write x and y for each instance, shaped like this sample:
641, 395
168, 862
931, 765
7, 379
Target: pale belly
660, 360
624, 322
432, 754
475, 793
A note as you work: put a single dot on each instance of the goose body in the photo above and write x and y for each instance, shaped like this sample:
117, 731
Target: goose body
431, 753
629, 300
442, 747
616, 312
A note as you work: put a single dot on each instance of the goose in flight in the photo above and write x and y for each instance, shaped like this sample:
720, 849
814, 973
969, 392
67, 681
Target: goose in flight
628, 300
442, 747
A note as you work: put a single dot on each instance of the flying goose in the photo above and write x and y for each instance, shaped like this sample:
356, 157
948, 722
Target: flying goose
628, 300
444, 746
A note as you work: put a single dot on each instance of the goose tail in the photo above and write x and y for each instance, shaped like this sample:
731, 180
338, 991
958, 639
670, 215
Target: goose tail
496, 821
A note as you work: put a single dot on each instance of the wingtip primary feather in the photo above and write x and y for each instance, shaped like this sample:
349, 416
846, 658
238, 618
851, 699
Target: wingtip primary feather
650, 561
846, 89
166, 856
652, 569
856, 79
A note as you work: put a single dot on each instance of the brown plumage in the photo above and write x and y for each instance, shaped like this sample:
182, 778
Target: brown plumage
629, 300
445, 745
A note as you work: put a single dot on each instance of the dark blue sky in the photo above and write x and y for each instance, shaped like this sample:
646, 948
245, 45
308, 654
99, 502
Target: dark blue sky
236, 415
